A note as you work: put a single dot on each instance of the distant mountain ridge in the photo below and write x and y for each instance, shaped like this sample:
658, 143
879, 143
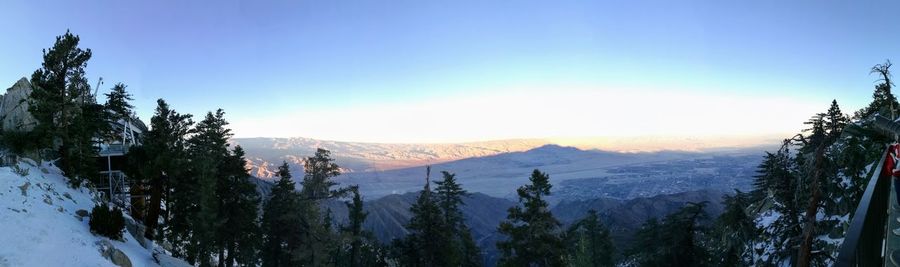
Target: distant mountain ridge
499, 175
265, 154
497, 168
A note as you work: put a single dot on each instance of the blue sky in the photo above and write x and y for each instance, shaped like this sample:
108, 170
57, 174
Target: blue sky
447, 71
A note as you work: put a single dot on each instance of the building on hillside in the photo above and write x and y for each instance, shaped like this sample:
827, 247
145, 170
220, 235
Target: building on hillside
111, 149
112, 160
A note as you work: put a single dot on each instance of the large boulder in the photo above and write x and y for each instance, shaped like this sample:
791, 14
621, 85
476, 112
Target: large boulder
14, 107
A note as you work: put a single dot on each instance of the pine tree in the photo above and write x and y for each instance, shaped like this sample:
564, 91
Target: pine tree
680, 236
208, 147
427, 233
815, 169
57, 85
674, 242
282, 223
775, 177
647, 243
319, 171
117, 102
354, 230
589, 242
734, 229
883, 100
782, 185
165, 160
67, 114
317, 241
360, 247
238, 234
460, 248
835, 120
532, 231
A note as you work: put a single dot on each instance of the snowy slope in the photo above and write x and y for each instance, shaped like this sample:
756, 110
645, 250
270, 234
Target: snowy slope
39, 226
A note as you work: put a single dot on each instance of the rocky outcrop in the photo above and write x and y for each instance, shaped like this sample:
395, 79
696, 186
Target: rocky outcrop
14, 113
137, 231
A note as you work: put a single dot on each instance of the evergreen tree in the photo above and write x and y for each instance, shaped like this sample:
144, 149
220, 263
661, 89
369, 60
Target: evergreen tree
238, 234
208, 147
68, 117
883, 100
359, 246
282, 223
427, 236
675, 242
117, 103
317, 243
680, 236
531, 230
319, 171
589, 242
165, 159
816, 170
648, 242
778, 178
354, 230
835, 120
460, 248
734, 229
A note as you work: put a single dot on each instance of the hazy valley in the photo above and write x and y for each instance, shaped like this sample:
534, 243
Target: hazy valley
497, 168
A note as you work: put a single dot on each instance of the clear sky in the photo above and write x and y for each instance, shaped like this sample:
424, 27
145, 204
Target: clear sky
448, 71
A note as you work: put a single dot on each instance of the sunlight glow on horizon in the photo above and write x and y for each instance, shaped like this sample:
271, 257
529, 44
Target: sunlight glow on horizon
545, 114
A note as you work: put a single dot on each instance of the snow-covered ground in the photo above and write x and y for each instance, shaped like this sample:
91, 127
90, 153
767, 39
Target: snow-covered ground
39, 225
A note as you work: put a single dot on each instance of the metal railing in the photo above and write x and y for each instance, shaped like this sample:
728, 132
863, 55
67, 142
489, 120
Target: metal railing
864, 241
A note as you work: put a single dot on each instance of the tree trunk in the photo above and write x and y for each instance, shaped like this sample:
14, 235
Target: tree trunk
229, 260
809, 224
152, 219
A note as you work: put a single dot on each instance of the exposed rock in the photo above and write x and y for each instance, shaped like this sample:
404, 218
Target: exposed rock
137, 230
166, 245
24, 188
14, 113
82, 213
112, 253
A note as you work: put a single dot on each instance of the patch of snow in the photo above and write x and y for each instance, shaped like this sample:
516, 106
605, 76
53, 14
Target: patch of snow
40, 226
767, 218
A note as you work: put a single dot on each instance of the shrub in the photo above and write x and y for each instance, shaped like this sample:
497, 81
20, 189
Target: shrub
18, 142
106, 222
